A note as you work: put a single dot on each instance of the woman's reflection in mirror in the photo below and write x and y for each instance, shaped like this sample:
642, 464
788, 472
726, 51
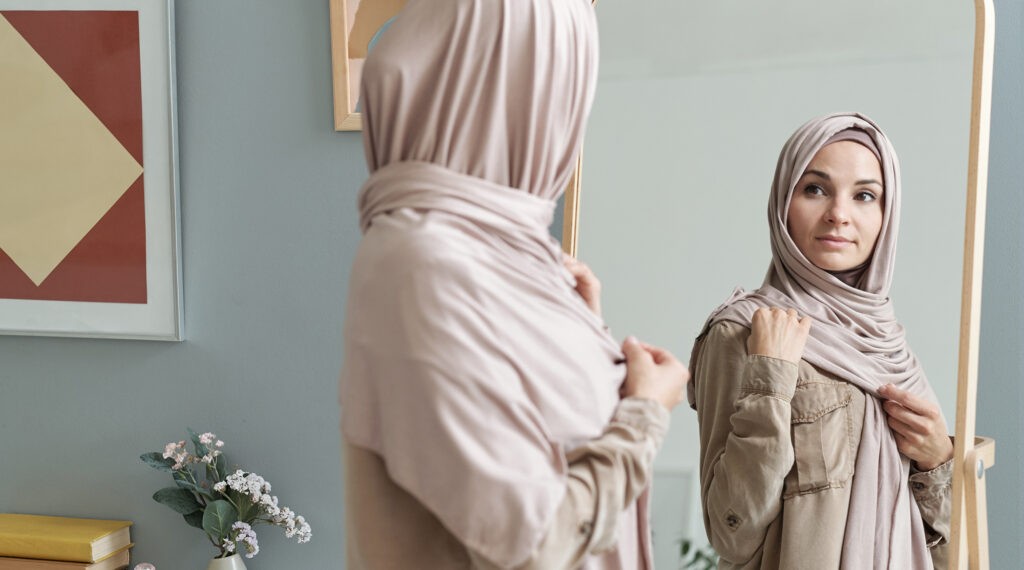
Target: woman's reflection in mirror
822, 444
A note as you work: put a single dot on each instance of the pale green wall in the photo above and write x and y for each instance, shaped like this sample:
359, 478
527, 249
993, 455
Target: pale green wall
269, 229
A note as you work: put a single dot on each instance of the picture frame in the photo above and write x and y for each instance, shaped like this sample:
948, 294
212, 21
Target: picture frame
354, 25
89, 220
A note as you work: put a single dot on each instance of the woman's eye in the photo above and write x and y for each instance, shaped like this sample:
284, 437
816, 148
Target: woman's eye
866, 196
814, 190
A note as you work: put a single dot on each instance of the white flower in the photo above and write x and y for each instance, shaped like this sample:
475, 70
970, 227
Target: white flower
251, 485
246, 535
295, 526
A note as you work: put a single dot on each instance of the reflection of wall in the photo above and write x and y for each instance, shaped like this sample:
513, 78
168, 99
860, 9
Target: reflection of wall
681, 150
672, 502
556, 224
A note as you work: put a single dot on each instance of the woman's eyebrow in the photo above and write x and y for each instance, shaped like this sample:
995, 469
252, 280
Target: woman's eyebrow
868, 181
818, 173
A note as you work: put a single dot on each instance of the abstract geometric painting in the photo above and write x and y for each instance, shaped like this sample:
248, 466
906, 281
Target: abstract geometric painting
74, 218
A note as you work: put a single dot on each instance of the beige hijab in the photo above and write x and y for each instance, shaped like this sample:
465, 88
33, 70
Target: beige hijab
471, 365
857, 338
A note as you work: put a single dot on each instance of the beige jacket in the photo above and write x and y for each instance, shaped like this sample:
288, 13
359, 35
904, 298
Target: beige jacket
778, 447
600, 523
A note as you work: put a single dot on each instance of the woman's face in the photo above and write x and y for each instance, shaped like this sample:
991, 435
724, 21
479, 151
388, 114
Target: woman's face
835, 213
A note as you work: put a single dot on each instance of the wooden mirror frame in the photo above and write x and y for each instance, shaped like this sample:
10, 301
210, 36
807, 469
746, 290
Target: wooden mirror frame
968, 523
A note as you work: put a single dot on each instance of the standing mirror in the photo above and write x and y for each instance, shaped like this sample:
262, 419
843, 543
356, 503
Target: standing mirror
694, 102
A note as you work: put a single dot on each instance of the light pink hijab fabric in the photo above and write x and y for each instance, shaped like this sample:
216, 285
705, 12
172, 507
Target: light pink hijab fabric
471, 364
856, 337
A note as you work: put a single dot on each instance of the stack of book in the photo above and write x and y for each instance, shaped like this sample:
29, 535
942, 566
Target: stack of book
33, 542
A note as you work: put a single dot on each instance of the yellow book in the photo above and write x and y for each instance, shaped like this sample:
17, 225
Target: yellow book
61, 538
116, 561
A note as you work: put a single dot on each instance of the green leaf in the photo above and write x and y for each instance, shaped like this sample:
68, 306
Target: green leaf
684, 547
218, 518
182, 481
206, 493
178, 499
222, 467
195, 519
156, 460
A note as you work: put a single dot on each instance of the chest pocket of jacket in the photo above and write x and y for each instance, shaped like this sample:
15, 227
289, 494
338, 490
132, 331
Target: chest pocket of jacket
822, 436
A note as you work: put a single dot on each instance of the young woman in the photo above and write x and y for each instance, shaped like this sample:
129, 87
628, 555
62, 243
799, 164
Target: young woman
488, 419
822, 445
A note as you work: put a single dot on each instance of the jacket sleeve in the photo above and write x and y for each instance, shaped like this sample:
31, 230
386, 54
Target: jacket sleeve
606, 475
933, 491
743, 411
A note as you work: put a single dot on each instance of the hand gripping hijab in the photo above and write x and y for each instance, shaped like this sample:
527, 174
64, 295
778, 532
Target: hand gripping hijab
471, 365
856, 337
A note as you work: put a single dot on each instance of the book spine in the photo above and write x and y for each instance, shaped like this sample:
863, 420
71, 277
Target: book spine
45, 548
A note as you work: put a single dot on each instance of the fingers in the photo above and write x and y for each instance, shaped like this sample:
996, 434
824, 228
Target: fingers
575, 266
768, 313
658, 354
903, 429
921, 437
908, 417
805, 325
778, 333
653, 373
634, 351
908, 400
904, 445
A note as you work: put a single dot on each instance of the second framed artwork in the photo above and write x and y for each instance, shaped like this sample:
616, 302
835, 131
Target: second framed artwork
355, 26
89, 238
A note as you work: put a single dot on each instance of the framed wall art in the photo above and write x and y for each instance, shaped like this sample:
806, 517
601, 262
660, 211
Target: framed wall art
355, 25
89, 229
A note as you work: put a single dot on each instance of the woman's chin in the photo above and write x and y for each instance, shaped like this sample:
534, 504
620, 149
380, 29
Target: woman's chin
835, 264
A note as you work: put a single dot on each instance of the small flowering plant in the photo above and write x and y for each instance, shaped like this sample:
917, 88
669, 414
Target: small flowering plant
224, 506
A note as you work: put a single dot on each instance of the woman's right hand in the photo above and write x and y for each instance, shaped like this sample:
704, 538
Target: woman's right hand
653, 373
778, 333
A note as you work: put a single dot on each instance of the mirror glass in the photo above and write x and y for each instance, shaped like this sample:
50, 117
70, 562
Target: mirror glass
694, 102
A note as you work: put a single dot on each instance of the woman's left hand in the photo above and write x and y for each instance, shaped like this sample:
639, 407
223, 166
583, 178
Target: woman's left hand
587, 284
918, 427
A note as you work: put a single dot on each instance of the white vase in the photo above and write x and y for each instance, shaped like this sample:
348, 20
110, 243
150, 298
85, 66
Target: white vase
233, 562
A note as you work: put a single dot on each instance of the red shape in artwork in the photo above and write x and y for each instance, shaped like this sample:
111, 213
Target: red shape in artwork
97, 54
108, 265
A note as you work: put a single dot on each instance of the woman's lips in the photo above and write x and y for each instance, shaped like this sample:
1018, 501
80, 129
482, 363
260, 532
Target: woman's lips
833, 242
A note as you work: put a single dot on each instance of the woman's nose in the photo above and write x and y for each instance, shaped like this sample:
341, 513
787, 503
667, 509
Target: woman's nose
837, 213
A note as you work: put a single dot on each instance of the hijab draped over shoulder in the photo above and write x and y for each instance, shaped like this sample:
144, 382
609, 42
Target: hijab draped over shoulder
856, 337
471, 365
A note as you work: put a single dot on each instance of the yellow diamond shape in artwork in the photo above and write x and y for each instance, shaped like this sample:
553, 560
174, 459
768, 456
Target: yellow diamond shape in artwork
61, 169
